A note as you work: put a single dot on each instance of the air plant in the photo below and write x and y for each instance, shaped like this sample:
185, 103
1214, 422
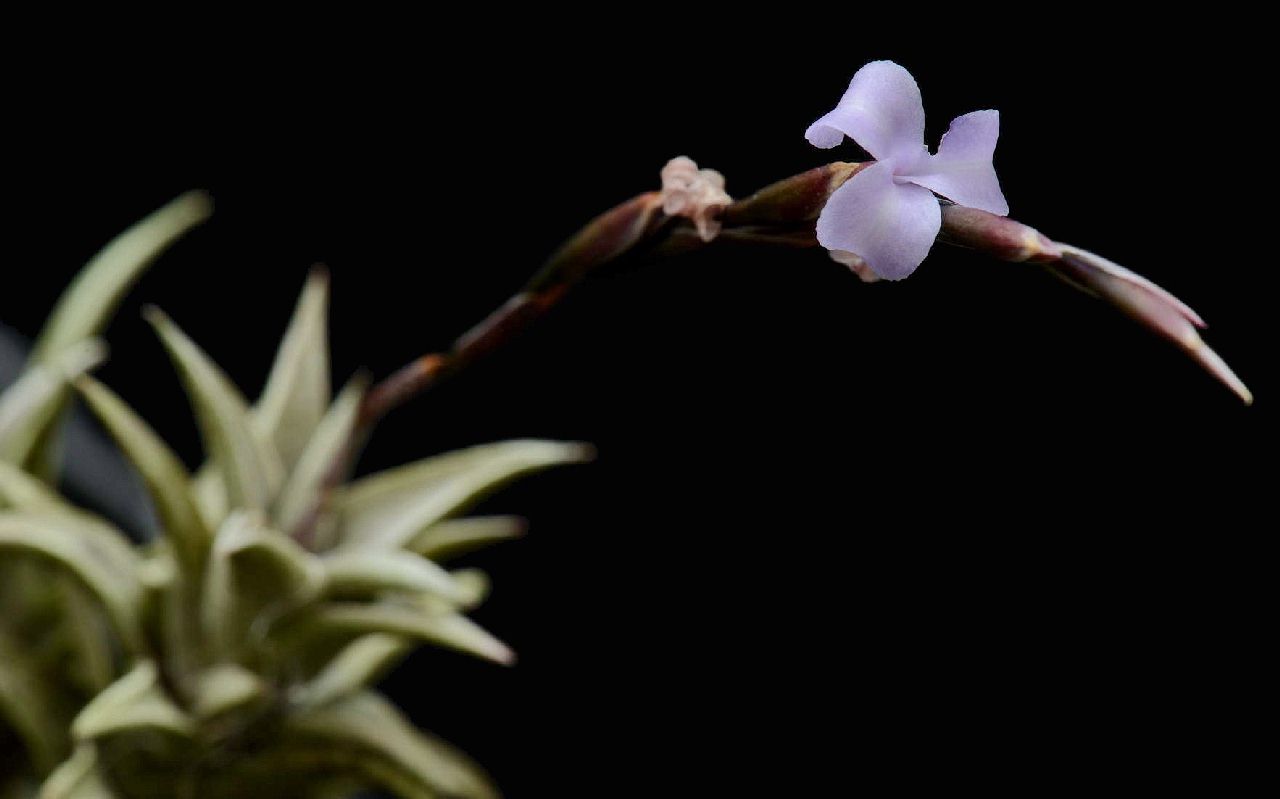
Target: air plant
238, 650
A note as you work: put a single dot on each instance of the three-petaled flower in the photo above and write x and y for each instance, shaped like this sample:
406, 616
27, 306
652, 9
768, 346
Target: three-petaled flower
887, 213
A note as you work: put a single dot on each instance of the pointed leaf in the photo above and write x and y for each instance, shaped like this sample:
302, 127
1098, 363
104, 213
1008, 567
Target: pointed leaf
473, 586
454, 537
98, 557
301, 494
31, 705
254, 571
87, 305
390, 508
295, 398
249, 466
364, 572
21, 491
297, 390
170, 613
439, 625
227, 687
35, 401
133, 702
79, 777
209, 494
358, 665
390, 751
165, 476
92, 662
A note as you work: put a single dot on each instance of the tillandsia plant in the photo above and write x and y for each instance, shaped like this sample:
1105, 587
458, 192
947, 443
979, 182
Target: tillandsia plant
235, 654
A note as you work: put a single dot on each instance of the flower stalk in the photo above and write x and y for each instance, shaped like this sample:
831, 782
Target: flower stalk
781, 214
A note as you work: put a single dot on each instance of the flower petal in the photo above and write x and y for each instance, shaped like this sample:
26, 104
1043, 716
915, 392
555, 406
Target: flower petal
881, 110
891, 225
962, 170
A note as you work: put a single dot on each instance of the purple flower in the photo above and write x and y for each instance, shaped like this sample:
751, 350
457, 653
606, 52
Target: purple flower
887, 213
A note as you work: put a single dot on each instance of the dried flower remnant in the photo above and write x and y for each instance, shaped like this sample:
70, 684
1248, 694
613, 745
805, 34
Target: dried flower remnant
695, 194
887, 213
856, 264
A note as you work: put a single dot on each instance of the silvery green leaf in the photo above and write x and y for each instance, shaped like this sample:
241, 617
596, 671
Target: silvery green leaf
390, 508
358, 665
219, 620
27, 598
210, 495
35, 400
94, 662
389, 751
21, 491
84, 627
435, 623
294, 400
249, 466
78, 777
297, 391
452, 537
87, 305
301, 494
368, 572
165, 477
89, 302
97, 556
31, 705
69, 528
226, 687
158, 571
255, 574
473, 587
133, 702
170, 612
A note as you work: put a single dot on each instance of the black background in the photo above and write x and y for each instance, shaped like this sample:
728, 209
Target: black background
973, 528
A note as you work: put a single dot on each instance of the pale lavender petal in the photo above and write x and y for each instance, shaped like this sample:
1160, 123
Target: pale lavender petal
962, 170
881, 110
823, 134
891, 225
